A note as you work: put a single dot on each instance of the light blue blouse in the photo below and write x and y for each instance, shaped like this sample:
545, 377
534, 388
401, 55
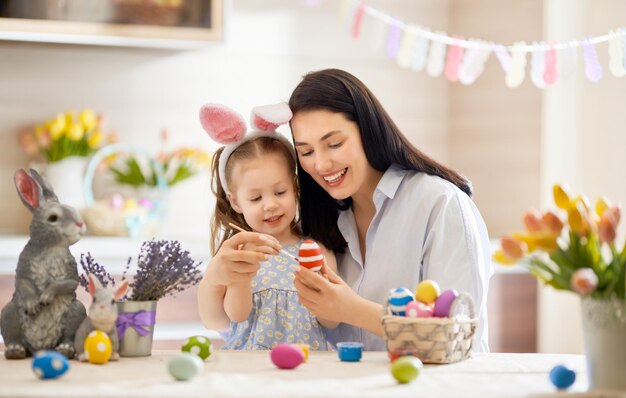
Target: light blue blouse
424, 228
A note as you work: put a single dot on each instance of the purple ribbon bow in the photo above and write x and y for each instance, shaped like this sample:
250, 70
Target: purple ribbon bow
136, 320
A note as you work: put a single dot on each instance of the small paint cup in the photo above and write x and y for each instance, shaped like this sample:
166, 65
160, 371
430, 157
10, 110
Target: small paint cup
349, 351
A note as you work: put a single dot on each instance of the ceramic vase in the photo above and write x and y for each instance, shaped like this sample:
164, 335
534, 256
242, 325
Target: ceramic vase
604, 332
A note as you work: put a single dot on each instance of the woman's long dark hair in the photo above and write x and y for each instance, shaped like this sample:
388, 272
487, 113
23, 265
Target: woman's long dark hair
340, 92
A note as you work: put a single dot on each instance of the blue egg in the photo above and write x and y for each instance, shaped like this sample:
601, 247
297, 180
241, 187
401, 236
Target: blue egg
398, 299
562, 376
50, 364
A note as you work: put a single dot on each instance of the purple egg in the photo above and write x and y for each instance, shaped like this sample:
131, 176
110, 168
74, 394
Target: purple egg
444, 302
287, 356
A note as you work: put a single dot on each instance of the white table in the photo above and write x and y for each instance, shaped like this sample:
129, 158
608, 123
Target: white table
251, 374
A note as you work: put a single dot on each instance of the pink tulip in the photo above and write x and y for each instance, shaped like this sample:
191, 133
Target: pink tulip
584, 281
512, 248
532, 221
553, 222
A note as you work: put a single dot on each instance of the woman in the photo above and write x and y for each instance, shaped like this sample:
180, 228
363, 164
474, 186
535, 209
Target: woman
402, 216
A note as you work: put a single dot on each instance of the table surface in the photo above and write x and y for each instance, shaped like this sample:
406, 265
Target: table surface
251, 374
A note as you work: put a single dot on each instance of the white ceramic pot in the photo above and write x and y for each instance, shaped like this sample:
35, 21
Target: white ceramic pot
66, 177
604, 331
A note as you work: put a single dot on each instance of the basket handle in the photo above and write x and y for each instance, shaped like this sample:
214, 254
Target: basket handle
112, 149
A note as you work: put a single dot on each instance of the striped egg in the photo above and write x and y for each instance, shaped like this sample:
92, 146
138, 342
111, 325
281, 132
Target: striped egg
398, 299
310, 255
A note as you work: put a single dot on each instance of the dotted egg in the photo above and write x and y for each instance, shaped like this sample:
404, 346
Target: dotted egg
198, 345
417, 309
98, 347
398, 299
49, 364
310, 255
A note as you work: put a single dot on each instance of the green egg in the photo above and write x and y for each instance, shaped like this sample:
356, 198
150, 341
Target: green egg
185, 366
406, 368
198, 345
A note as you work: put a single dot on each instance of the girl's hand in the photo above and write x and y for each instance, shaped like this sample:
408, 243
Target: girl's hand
326, 295
239, 258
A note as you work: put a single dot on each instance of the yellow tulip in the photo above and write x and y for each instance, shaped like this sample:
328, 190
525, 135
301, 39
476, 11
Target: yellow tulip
601, 205
500, 257
75, 132
561, 198
94, 139
69, 118
39, 130
88, 119
576, 216
582, 199
57, 126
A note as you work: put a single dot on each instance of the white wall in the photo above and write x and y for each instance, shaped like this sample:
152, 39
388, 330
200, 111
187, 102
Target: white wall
268, 46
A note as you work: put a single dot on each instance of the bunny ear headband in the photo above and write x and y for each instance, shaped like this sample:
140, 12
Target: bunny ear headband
227, 127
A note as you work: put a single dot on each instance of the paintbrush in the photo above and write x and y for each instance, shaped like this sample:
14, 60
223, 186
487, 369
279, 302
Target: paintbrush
238, 228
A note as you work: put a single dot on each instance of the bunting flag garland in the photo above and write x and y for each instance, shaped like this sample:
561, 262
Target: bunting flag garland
462, 60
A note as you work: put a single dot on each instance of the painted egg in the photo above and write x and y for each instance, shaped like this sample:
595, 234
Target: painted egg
98, 347
305, 350
444, 302
399, 353
185, 366
49, 364
417, 309
405, 369
310, 255
198, 345
145, 203
116, 202
427, 291
287, 356
398, 299
350, 351
562, 376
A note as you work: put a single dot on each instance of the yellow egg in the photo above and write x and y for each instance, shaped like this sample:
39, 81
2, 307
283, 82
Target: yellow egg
427, 291
305, 350
98, 347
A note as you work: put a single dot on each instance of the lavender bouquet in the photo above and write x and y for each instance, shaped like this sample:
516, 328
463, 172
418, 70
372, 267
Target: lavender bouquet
163, 269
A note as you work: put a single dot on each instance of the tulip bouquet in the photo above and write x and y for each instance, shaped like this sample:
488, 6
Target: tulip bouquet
575, 250
177, 165
67, 134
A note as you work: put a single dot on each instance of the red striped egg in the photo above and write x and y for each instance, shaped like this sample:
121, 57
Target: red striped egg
310, 255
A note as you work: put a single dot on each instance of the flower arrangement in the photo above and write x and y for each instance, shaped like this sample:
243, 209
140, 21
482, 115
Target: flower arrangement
178, 165
67, 134
577, 252
163, 269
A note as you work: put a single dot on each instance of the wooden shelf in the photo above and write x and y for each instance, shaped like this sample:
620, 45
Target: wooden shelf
115, 34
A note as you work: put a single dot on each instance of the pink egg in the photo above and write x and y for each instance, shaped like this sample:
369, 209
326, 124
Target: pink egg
417, 309
116, 202
444, 302
287, 356
310, 255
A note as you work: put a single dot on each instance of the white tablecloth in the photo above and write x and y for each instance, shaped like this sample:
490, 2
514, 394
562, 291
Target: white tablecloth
251, 374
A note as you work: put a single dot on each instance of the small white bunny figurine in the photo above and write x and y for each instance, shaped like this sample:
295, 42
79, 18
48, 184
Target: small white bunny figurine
101, 316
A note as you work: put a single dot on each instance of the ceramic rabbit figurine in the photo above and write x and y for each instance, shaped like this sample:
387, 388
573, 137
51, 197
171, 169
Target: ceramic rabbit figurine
102, 316
44, 313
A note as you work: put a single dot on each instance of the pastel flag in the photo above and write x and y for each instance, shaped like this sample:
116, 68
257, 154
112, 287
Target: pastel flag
517, 73
473, 64
537, 67
393, 40
436, 57
616, 55
593, 69
406, 47
420, 53
358, 21
503, 57
376, 32
568, 58
455, 54
550, 72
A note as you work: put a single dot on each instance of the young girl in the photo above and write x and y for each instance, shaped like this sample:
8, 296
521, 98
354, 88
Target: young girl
248, 285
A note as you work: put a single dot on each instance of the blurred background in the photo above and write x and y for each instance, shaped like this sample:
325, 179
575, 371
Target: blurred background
135, 73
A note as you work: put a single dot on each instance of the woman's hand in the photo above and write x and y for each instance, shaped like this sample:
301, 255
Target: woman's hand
326, 295
239, 258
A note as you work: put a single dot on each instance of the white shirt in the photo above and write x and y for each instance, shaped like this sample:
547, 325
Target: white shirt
424, 228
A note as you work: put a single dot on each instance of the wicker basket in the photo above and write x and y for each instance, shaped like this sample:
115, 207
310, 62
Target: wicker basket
432, 340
